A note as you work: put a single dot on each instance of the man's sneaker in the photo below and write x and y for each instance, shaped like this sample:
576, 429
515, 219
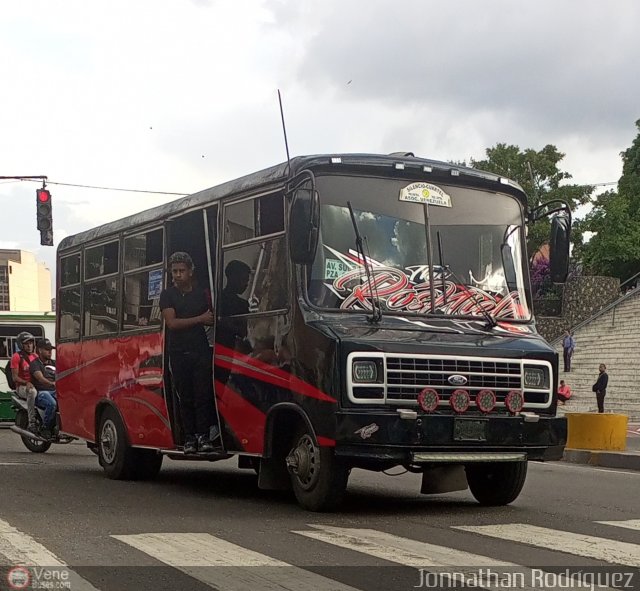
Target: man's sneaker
190, 445
205, 445
214, 433
46, 433
33, 429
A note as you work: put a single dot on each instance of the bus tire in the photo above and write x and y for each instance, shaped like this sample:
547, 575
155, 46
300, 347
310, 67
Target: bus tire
116, 456
318, 478
33, 445
496, 483
147, 464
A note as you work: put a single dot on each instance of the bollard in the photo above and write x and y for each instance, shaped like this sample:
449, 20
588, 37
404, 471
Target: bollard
597, 431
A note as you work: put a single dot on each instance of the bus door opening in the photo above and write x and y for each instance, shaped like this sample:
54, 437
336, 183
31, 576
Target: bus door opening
194, 233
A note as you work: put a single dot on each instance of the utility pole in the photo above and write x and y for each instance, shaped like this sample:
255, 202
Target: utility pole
44, 215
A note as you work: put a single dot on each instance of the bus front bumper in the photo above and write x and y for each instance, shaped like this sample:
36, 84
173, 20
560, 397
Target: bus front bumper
386, 438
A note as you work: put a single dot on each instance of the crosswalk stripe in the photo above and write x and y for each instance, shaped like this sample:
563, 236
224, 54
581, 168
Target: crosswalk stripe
397, 549
460, 565
18, 548
192, 553
627, 523
604, 549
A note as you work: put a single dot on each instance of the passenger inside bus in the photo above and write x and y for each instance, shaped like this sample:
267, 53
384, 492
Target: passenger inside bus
232, 326
186, 312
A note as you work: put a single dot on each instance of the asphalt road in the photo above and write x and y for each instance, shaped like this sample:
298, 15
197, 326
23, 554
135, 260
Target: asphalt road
219, 531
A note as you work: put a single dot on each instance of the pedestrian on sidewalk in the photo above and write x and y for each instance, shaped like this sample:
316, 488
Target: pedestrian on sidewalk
564, 393
568, 346
600, 387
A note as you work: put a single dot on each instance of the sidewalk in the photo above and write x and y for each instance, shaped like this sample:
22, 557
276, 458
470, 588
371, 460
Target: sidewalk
626, 460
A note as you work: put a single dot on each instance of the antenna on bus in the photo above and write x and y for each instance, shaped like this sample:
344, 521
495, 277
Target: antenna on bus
284, 130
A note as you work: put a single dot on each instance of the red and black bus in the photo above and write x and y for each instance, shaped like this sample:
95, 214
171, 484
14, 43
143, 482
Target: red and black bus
388, 322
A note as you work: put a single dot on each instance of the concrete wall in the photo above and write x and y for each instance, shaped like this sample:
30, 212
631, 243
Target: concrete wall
582, 298
612, 338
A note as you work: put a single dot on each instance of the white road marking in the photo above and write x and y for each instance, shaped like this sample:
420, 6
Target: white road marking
604, 549
18, 548
628, 523
459, 565
196, 553
397, 549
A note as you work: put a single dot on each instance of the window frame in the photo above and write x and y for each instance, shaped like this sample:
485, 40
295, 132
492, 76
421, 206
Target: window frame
226, 247
225, 205
153, 267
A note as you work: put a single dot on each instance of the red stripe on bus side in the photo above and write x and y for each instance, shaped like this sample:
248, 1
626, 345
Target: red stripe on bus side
246, 421
276, 376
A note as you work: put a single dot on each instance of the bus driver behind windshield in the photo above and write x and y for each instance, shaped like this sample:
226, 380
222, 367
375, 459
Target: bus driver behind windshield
186, 312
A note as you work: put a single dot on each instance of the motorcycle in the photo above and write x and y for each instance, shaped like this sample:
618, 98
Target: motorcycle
32, 441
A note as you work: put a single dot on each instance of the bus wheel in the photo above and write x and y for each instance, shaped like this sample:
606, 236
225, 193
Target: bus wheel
496, 483
318, 479
115, 455
37, 447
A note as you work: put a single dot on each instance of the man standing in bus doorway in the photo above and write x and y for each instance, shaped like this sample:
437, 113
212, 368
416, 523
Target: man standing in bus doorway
186, 312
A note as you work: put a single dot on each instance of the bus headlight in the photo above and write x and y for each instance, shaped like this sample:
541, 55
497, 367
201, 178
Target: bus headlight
364, 372
535, 377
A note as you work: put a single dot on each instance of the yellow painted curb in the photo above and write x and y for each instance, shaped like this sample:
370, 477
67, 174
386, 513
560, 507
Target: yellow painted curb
597, 431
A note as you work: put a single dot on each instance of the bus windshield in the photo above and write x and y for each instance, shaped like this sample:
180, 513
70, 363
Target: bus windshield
477, 250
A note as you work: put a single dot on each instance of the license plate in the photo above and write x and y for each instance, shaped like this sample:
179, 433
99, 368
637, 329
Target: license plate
469, 430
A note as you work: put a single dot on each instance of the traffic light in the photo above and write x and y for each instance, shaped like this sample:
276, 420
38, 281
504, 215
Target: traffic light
44, 215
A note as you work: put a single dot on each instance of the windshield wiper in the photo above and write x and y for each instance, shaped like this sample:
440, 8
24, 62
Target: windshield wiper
491, 321
376, 312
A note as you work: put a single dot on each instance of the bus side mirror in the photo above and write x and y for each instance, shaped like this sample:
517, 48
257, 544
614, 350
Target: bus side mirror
559, 247
303, 224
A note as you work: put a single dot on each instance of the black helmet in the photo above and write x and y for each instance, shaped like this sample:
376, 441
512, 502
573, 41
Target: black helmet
24, 337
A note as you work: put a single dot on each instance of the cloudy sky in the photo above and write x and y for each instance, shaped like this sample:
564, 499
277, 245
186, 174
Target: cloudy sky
180, 95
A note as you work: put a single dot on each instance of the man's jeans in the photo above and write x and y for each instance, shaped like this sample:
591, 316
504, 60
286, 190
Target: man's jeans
46, 400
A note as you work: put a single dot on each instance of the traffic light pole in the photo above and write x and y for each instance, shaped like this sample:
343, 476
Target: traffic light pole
23, 178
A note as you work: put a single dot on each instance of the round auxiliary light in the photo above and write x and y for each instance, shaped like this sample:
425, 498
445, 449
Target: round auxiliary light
459, 400
514, 401
485, 401
428, 399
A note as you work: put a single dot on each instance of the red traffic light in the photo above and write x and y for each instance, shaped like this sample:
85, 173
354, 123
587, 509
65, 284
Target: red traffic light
44, 196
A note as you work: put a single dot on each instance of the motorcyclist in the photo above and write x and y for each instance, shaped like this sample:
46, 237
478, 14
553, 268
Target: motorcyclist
20, 362
42, 371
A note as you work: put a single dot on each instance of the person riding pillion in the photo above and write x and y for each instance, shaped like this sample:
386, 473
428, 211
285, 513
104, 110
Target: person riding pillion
42, 371
19, 364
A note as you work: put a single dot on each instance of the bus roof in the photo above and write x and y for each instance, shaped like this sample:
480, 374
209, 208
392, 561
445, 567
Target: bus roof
381, 164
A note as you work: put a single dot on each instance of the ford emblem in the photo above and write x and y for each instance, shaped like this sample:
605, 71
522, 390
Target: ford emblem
457, 380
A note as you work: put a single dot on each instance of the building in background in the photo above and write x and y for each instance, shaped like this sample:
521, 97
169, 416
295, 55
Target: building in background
25, 283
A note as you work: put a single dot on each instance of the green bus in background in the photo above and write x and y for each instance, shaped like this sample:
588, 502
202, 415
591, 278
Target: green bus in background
39, 324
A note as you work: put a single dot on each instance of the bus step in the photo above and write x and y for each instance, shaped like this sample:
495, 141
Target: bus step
177, 454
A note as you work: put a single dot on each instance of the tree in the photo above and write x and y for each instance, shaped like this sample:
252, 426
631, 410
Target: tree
615, 220
539, 175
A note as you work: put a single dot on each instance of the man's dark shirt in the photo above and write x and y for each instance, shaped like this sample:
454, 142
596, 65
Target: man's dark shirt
232, 304
602, 383
48, 371
186, 305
